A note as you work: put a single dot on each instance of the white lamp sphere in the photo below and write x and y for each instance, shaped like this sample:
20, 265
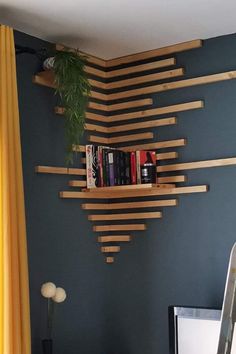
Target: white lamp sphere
48, 290
60, 295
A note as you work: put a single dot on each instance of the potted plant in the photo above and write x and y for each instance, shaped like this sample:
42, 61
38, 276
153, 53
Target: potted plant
73, 87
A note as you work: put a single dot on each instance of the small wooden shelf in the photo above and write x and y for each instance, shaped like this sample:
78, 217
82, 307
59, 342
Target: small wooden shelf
114, 238
126, 216
61, 170
129, 227
129, 187
109, 260
110, 249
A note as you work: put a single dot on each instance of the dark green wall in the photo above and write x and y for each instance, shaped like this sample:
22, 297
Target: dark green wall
181, 259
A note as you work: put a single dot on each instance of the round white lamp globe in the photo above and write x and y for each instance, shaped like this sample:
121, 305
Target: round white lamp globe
60, 295
48, 290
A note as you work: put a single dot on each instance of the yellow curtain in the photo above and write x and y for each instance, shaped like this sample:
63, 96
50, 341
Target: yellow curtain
14, 289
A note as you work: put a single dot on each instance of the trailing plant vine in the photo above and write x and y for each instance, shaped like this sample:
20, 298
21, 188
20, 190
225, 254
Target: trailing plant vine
73, 87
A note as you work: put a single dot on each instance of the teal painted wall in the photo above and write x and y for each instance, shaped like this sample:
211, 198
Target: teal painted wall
181, 259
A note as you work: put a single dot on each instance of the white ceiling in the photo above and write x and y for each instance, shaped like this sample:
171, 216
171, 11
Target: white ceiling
112, 28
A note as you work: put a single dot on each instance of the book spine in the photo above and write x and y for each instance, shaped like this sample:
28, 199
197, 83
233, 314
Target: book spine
138, 167
133, 168
91, 166
127, 168
111, 168
117, 168
107, 168
104, 168
101, 183
122, 167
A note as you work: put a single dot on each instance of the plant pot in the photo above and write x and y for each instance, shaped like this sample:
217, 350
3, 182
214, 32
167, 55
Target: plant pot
48, 63
47, 346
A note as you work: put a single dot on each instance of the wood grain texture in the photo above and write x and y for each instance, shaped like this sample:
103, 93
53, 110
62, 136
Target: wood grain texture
172, 179
201, 80
176, 48
121, 139
157, 145
135, 194
142, 125
129, 104
181, 107
130, 205
142, 79
142, 67
129, 227
114, 238
126, 216
167, 155
198, 164
110, 249
61, 170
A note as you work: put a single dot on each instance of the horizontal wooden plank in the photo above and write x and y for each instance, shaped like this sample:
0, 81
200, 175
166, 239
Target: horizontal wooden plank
198, 164
176, 48
129, 227
157, 145
167, 155
130, 205
201, 80
142, 67
77, 183
90, 58
172, 179
114, 238
126, 216
109, 260
110, 249
142, 79
120, 139
78, 148
89, 115
142, 125
135, 194
60, 170
94, 71
129, 104
181, 107
96, 128
129, 187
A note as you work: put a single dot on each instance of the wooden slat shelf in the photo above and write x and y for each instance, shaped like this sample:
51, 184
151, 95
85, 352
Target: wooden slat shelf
181, 107
60, 170
134, 194
157, 145
129, 227
126, 216
114, 238
129, 187
96, 128
109, 260
130, 104
110, 249
201, 80
143, 125
144, 79
176, 48
120, 139
172, 179
77, 183
198, 164
142, 67
130, 205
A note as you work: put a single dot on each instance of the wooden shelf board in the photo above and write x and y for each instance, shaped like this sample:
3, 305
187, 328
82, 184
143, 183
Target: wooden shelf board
60, 170
180, 107
172, 179
114, 238
157, 145
126, 216
130, 104
130, 205
198, 164
142, 125
200, 80
128, 227
130, 187
110, 249
120, 139
136, 193
142, 67
109, 260
144, 79
77, 183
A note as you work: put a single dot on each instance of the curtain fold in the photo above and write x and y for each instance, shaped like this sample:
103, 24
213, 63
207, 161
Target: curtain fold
14, 288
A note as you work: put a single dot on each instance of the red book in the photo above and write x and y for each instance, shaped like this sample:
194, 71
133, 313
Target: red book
148, 166
133, 168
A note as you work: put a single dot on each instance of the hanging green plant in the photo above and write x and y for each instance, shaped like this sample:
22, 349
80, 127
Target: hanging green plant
73, 87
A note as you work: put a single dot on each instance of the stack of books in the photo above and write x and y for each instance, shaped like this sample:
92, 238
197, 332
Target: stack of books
107, 166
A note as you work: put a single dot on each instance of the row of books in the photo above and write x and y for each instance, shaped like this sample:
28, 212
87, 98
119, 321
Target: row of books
112, 167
